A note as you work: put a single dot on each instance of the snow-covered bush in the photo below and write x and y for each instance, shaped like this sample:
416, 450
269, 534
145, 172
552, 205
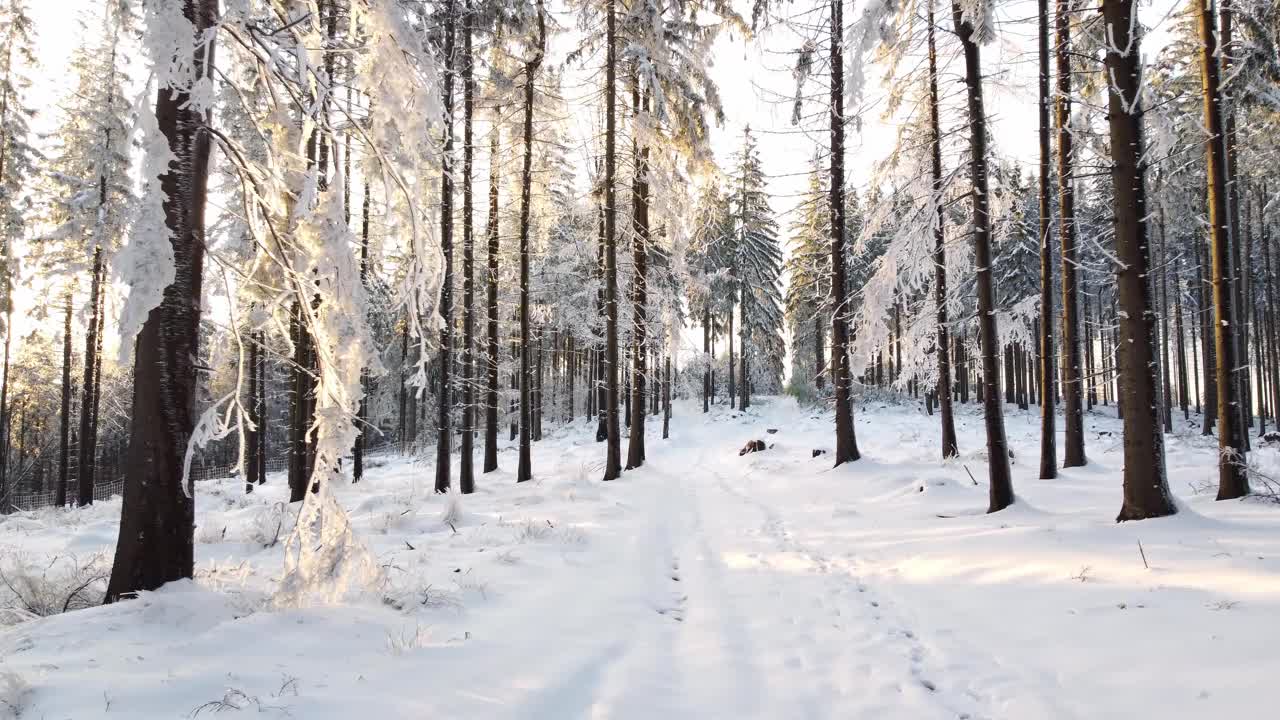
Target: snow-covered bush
30, 589
13, 695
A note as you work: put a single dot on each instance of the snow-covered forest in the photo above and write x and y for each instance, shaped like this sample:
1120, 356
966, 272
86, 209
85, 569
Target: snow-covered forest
639, 358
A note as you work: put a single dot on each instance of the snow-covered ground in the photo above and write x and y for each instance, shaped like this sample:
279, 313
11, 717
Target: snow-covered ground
705, 585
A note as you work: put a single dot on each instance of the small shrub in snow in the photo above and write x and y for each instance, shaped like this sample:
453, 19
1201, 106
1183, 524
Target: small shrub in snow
411, 594
403, 641
269, 522
14, 692
235, 700
572, 536
532, 531
468, 583
29, 590
452, 514
209, 533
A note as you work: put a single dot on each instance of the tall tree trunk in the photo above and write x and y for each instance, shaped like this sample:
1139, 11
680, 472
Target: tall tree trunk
157, 517
1180, 346
466, 471
444, 391
1146, 493
949, 444
819, 351
639, 293
733, 384
1166, 387
1048, 418
613, 452
1073, 413
1001, 484
846, 439
1272, 294
1207, 350
1237, 280
744, 383
86, 453
64, 417
362, 412
525, 469
491, 304
253, 419
666, 397
1232, 479
4, 406
599, 389
706, 354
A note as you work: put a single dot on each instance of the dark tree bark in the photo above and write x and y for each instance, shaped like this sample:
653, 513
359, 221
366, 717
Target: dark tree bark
1166, 386
525, 470
4, 407
1146, 493
1207, 350
744, 384
1180, 346
491, 304
1001, 483
613, 452
819, 352
733, 385
1237, 278
87, 452
156, 541
253, 418
846, 439
640, 291
444, 391
1048, 419
362, 412
1073, 413
64, 417
949, 444
600, 392
666, 397
706, 353
1232, 479
466, 471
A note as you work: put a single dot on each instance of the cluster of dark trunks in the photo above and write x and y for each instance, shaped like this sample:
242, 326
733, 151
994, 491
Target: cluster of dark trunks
156, 534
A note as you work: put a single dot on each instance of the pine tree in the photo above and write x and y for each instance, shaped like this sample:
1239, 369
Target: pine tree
17, 164
756, 267
807, 297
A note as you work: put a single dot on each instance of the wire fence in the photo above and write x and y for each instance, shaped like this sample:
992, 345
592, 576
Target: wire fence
21, 499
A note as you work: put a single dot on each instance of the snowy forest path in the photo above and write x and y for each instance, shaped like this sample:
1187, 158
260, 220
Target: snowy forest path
756, 623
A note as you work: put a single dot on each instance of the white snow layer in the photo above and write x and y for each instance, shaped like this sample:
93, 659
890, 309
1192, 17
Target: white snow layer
705, 585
